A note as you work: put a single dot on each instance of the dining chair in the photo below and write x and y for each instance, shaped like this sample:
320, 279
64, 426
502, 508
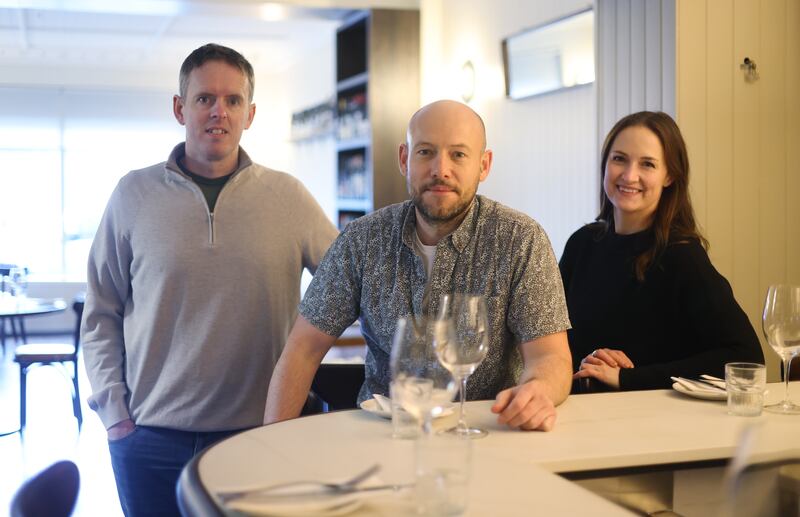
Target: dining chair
51, 493
336, 386
31, 355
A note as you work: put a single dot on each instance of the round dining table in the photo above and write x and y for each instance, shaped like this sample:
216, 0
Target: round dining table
16, 309
613, 444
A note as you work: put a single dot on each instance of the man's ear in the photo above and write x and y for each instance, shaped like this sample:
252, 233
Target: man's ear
486, 164
251, 114
402, 158
177, 109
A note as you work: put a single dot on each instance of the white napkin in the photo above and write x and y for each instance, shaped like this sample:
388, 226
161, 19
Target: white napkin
385, 403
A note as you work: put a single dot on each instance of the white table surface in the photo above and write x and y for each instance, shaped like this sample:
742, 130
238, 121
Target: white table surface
512, 470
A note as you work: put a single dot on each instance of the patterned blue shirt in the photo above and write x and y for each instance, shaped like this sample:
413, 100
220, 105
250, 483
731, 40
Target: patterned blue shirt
371, 273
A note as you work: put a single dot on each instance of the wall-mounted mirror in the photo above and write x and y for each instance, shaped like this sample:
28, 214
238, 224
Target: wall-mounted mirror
549, 57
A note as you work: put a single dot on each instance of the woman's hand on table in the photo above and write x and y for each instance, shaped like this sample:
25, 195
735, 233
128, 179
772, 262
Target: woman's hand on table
526, 407
604, 365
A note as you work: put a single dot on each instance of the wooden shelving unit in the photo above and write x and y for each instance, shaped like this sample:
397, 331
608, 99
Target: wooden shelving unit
377, 90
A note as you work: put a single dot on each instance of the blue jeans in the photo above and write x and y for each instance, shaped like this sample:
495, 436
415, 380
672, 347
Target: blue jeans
147, 464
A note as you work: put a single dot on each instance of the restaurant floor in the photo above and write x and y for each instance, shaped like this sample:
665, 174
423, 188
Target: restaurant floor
51, 434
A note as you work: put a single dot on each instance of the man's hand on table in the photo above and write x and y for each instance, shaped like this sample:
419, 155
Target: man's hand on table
526, 407
121, 429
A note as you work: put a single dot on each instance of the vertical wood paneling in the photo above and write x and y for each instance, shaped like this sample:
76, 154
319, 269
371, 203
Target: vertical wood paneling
753, 133
772, 135
635, 59
637, 49
668, 57
691, 92
652, 60
719, 227
791, 224
623, 51
606, 65
746, 154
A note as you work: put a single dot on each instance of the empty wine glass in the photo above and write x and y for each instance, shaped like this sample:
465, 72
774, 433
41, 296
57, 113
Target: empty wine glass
467, 314
422, 385
19, 281
781, 324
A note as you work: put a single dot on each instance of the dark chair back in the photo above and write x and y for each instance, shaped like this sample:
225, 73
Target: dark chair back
337, 385
51, 493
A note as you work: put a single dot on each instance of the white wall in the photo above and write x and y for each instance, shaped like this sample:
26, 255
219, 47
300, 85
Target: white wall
545, 150
312, 82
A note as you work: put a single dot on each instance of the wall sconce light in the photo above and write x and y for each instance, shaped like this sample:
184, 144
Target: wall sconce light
467, 81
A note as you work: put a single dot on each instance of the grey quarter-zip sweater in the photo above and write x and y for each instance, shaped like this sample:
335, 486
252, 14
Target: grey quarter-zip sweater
187, 311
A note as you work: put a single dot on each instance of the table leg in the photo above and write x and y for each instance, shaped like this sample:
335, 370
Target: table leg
22, 333
3, 334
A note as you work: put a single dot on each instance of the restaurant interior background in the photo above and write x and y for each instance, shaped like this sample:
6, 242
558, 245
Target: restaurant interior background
86, 90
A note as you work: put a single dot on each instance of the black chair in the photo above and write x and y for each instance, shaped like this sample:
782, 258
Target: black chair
51, 493
335, 386
35, 354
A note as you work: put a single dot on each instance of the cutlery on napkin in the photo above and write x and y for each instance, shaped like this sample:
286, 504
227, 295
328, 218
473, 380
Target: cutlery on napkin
699, 385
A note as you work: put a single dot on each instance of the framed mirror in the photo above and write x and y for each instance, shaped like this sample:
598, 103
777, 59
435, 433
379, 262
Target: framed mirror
550, 57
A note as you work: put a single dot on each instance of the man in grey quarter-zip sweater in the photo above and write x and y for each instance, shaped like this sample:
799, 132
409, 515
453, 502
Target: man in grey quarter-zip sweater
193, 285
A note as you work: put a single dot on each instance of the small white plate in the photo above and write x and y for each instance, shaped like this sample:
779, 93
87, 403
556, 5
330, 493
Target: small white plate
705, 395
372, 406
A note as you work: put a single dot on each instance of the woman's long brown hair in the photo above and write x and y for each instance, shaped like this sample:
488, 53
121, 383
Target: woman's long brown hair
674, 219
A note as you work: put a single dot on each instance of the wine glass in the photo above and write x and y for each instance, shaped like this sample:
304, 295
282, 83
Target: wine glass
421, 384
468, 316
781, 324
19, 281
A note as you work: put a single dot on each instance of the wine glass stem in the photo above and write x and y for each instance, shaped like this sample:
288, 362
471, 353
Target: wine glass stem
787, 364
427, 424
462, 422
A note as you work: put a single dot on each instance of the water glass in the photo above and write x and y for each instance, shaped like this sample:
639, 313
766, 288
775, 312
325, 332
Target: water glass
745, 384
443, 467
404, 424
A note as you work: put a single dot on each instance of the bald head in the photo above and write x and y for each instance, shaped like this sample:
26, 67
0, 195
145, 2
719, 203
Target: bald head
446, 113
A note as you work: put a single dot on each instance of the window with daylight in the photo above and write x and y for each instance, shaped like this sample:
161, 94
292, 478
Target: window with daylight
59, 161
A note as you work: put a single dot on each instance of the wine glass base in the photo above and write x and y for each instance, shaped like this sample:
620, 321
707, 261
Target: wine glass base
785, 407
468, 432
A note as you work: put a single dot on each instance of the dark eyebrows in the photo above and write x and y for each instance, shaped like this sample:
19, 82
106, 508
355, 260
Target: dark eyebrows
623, 153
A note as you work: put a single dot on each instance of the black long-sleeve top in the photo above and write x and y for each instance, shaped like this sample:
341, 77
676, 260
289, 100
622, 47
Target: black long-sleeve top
681, 320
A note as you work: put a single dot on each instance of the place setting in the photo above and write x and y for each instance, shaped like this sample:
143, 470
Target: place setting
302, 497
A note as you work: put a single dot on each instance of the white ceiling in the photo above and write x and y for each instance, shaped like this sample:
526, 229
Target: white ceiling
154, 35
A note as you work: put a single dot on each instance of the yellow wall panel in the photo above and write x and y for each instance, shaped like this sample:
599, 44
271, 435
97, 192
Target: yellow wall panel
791, 232
718, 226
691, 78
772, 145
743, 137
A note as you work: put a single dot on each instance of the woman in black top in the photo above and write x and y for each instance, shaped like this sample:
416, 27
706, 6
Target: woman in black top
644, 300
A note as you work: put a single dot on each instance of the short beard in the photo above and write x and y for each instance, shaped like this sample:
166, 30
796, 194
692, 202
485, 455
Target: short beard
441, 215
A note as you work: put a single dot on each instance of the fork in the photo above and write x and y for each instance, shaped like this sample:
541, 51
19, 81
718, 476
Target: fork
343, 486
